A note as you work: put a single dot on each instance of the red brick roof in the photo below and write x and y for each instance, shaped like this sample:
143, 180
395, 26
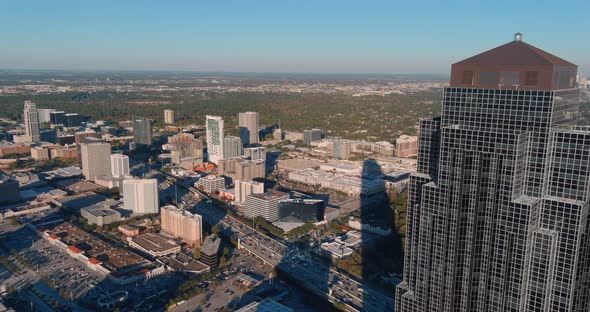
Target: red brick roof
94, 261
75, 249
515, 53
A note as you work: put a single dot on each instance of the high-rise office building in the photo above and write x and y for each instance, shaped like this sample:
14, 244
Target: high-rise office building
119, 165
312, 135
255, 153
341, 149
142, 132
248, 123
498, 210
244, 188
232, 147
95, 159
141, 195
9, 190
169, 116
68, 120
301, 210
45, 114
214, 127
31, 121
185, 150
181, 223
264, 205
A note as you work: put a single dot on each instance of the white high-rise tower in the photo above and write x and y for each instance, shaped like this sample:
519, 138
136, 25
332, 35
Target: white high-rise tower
31, 121
214, 125
119, 165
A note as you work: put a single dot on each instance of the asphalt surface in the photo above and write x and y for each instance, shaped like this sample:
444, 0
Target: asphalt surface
314, 275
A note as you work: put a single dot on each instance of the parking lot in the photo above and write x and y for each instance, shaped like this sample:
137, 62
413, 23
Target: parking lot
65, 274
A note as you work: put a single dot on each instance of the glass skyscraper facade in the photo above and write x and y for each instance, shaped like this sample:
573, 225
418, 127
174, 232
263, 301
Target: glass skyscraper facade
498, 210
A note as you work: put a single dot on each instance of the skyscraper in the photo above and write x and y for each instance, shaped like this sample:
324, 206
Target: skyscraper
248, 123
95, 159
214, 126
312, 135
169, 116
232, 147
142, 132
31, 121
44, 114
141, 195
341, 149
498, 210
119, 165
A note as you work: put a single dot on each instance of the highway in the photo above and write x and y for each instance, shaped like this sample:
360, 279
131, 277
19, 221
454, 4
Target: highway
313, 275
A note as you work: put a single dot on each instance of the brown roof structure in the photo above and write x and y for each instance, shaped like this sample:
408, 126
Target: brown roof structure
514, 65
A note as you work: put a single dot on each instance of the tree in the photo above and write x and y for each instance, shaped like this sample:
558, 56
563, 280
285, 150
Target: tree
225, 251
222, 261
197, 254
215, 230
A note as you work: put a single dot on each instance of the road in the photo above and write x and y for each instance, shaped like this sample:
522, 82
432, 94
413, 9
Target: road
314, 275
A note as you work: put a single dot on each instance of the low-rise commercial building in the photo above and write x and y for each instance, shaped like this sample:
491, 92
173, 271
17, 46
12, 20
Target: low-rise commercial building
40, 153
9, 148
100, 214
350, 185
128, 230
336, 250
153, 245
383, 148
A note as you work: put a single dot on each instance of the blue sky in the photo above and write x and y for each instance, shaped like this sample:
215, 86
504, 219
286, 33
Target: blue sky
343, 36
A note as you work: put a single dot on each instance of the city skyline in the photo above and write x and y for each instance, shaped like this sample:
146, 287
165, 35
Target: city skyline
376, 37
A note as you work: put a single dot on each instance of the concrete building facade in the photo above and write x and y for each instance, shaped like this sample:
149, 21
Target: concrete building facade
249, 124
232, 147
169, 116
95, 159
244, 188
264, 205
406, 146
214, 127
31, 122
141, 195
119, 165
181, 223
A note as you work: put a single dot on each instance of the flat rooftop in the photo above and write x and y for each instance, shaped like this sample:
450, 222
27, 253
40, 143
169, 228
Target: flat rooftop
100, 210
211, 245
154, 242
113, 258
267, 305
